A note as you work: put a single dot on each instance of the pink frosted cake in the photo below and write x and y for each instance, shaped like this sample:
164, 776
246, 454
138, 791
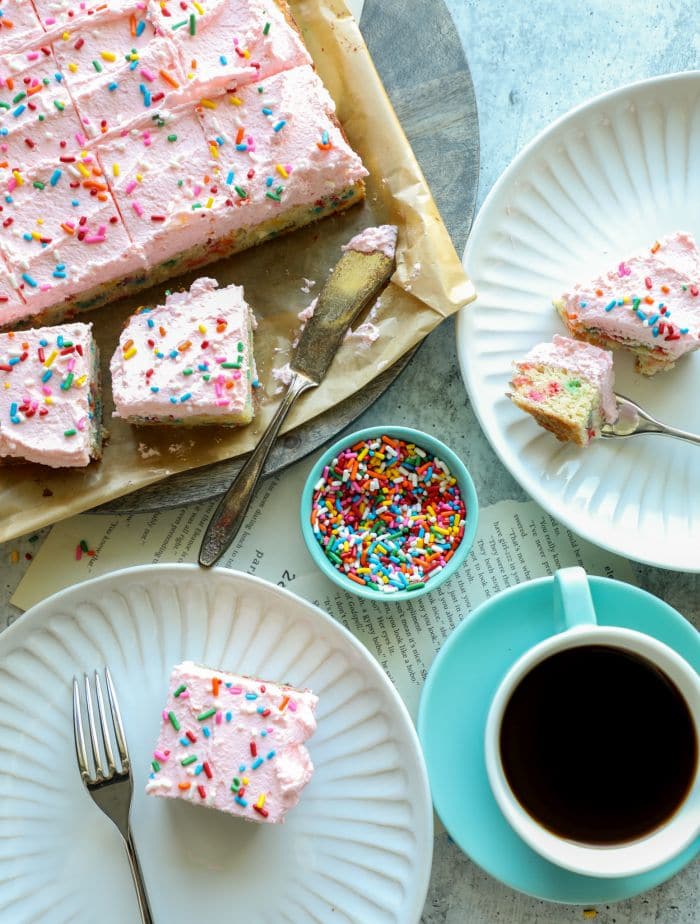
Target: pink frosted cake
49, 396
649, 304
568, 387
189, 361
19, 23
233, 743
142, 139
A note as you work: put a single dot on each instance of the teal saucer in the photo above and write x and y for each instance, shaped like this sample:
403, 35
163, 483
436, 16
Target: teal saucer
452, 716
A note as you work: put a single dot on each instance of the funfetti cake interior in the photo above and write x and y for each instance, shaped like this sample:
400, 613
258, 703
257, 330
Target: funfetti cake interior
648, 304
50, 409
139, 140
189, 361
233, 743
568, 387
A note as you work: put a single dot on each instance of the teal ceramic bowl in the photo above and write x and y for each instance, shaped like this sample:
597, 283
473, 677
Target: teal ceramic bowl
424, 441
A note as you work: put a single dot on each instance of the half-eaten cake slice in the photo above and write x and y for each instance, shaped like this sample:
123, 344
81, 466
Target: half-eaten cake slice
567, 386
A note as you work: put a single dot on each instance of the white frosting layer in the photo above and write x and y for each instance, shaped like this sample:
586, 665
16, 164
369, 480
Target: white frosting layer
191, 357
47, 413
382, 239
254, 742
651, 298
582, 359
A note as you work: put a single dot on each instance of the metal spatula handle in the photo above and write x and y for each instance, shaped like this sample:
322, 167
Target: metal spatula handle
231, 512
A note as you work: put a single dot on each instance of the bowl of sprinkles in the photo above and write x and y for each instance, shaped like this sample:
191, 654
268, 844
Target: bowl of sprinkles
389, 513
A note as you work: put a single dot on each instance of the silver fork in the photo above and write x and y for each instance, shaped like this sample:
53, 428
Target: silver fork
634, 419
110, 790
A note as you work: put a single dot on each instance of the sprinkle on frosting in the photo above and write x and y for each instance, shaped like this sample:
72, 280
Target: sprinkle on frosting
48, 396
648, 304
242, 751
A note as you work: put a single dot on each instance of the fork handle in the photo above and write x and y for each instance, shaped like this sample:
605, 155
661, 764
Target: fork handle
141, 896
652, 425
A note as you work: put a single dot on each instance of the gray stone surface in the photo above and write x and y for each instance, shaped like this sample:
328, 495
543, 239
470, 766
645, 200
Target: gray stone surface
531, 61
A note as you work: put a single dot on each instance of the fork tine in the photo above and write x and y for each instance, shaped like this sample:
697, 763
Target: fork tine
106, 734
117, 720
78, 735
99, 772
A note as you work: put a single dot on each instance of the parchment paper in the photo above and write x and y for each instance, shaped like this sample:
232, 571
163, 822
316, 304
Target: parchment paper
429, 284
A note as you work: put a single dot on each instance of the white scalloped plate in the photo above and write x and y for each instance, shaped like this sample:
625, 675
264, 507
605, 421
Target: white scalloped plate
607, 178
357, 848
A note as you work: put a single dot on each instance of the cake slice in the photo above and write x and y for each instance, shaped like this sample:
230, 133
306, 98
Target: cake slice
116, 67
159, 173
233, 743
228, 43
568, 387
18, 24
38, 122
280, 156
189, 361
63, 237
649, 304
50, 410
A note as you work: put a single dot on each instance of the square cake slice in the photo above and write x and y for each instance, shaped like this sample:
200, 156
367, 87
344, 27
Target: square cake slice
50, 409
18, 24
116, 68
62, 236
280, 157
189, 361
226, 43
159, 172
38, 122
568, 387
233, 743
649, 304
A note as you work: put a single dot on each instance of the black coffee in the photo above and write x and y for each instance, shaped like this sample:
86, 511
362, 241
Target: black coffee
598, 745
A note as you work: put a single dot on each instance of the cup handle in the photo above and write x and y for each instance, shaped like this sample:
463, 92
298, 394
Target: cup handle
573, 604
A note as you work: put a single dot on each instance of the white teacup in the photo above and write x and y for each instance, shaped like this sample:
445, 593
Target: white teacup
573, 598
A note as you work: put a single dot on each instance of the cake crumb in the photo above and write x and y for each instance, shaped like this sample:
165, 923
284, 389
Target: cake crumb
147, 452
365, 335
283, 376
590, 913
307, 313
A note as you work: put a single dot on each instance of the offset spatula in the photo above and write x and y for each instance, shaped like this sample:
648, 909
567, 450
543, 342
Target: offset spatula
355, 281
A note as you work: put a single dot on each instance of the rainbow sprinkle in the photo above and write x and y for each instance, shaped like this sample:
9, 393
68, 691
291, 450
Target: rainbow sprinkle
388, 514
